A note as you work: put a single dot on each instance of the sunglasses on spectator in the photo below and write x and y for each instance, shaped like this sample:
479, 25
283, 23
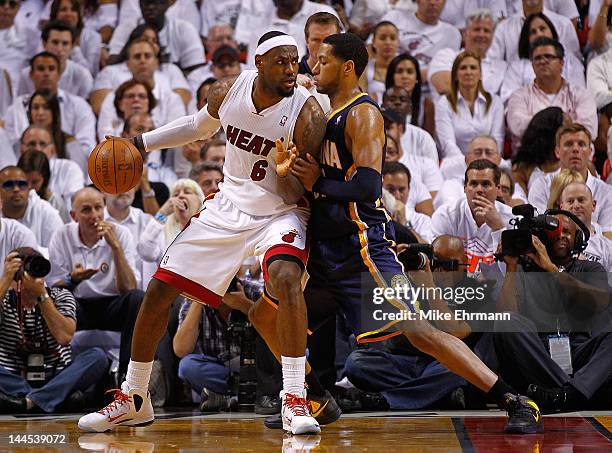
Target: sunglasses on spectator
11, 183
545, 58
11, 3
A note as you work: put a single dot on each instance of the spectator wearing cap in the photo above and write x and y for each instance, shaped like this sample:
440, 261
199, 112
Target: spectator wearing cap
24, 205
547, 90
58, 38
478, 37
176, 36
288, 17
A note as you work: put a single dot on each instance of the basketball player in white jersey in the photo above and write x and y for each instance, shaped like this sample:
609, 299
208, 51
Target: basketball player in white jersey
255, 212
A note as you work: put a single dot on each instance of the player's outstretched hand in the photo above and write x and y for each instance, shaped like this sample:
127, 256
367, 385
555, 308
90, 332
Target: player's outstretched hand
307, 170
285, 158
134, 141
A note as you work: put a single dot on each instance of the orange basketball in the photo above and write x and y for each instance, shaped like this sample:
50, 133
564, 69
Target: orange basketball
115, 165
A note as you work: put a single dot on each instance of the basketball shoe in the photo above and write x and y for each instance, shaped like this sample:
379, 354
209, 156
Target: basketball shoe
296, 416
129, 408
324, 409
524, 416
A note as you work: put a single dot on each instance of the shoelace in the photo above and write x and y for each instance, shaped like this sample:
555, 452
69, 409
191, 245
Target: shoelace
118, 399
299, 406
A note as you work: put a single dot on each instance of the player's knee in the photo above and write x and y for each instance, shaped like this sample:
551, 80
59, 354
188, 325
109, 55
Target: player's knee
159, 294
284, 278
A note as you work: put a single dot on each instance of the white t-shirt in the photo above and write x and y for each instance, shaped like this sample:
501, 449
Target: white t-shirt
41, 218
419, 222
417, 141
66, 250
493, 71
13, 235
179, 38
168, 76
19, 44
455, 11
66, 179
599, 249
480, 243
181, 9
599, 78
456, 130
7, 156
424, 170
565, 8
218, 12
539, 192
371, 11
422, 40
76, 79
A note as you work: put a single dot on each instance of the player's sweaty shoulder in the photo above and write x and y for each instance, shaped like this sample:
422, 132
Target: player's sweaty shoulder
364, 119
217, 94
310, 128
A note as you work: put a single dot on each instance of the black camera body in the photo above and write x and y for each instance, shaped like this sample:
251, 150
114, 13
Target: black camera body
518, 242
37, 266
415, 256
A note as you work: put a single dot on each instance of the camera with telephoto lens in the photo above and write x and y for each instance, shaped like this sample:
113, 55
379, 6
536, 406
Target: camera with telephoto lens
518, 242
37, 266
415, 256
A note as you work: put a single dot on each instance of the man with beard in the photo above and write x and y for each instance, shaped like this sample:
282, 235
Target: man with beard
259, 210
557, 345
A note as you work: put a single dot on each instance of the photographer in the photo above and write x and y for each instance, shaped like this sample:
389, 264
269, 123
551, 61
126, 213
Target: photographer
407, 378
551, 347
203, 343
37, 370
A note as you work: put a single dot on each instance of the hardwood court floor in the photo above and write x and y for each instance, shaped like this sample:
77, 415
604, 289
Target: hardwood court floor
375, 432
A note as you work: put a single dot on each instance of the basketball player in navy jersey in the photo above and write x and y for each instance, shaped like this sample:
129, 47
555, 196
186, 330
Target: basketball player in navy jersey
352, 236
257, 211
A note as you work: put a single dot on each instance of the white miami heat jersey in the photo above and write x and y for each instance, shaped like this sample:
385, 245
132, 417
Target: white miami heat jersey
250, 179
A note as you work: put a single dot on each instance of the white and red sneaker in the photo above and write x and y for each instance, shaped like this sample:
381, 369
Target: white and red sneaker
129, 408
296, 415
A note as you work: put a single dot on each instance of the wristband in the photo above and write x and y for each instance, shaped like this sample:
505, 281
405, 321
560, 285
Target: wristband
139, 143
148, 194
161, 218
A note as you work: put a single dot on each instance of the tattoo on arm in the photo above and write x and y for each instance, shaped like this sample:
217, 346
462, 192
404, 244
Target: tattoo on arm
217, 94
310, 129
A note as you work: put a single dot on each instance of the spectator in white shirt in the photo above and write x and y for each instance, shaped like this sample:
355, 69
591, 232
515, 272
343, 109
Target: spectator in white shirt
35, 165
96, 260
66, 176
396, 181
119, 210
453, 168
131, 10
176, 36
88, 49
536, 155
287, 16
547, 90
456, 12
18, 41
365, 14
24, 205
577, 198
58, 39
208, 175
77, 118
418, 141
478, 36
468, 109
478, 219
404, 72
505, 39
385, 43
600, 36
520, 72
573, 148
135, 63
422, 34
219, 12
98, 16
599, 78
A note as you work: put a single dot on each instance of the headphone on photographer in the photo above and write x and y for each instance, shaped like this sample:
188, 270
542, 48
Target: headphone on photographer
581, 241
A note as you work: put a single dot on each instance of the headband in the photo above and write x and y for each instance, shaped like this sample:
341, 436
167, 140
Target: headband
277, 41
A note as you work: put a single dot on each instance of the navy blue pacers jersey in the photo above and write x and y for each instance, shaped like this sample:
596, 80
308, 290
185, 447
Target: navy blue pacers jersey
331, 218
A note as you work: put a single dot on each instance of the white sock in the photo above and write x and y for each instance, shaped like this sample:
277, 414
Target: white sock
294, 374
138, 375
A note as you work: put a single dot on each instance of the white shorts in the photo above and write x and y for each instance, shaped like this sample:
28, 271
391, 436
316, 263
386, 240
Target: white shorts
207, 254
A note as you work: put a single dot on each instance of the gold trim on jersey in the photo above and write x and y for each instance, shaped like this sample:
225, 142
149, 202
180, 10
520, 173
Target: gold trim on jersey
345, 105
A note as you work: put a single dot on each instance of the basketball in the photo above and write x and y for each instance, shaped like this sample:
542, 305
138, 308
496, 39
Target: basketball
115, 165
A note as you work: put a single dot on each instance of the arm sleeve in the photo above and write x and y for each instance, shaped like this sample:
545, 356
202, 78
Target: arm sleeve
366, 185
182, 130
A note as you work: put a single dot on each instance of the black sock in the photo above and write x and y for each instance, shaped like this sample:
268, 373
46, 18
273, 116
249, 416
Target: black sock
314, 386
497, 392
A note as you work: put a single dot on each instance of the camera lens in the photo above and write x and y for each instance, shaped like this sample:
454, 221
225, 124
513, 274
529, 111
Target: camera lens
37, 266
